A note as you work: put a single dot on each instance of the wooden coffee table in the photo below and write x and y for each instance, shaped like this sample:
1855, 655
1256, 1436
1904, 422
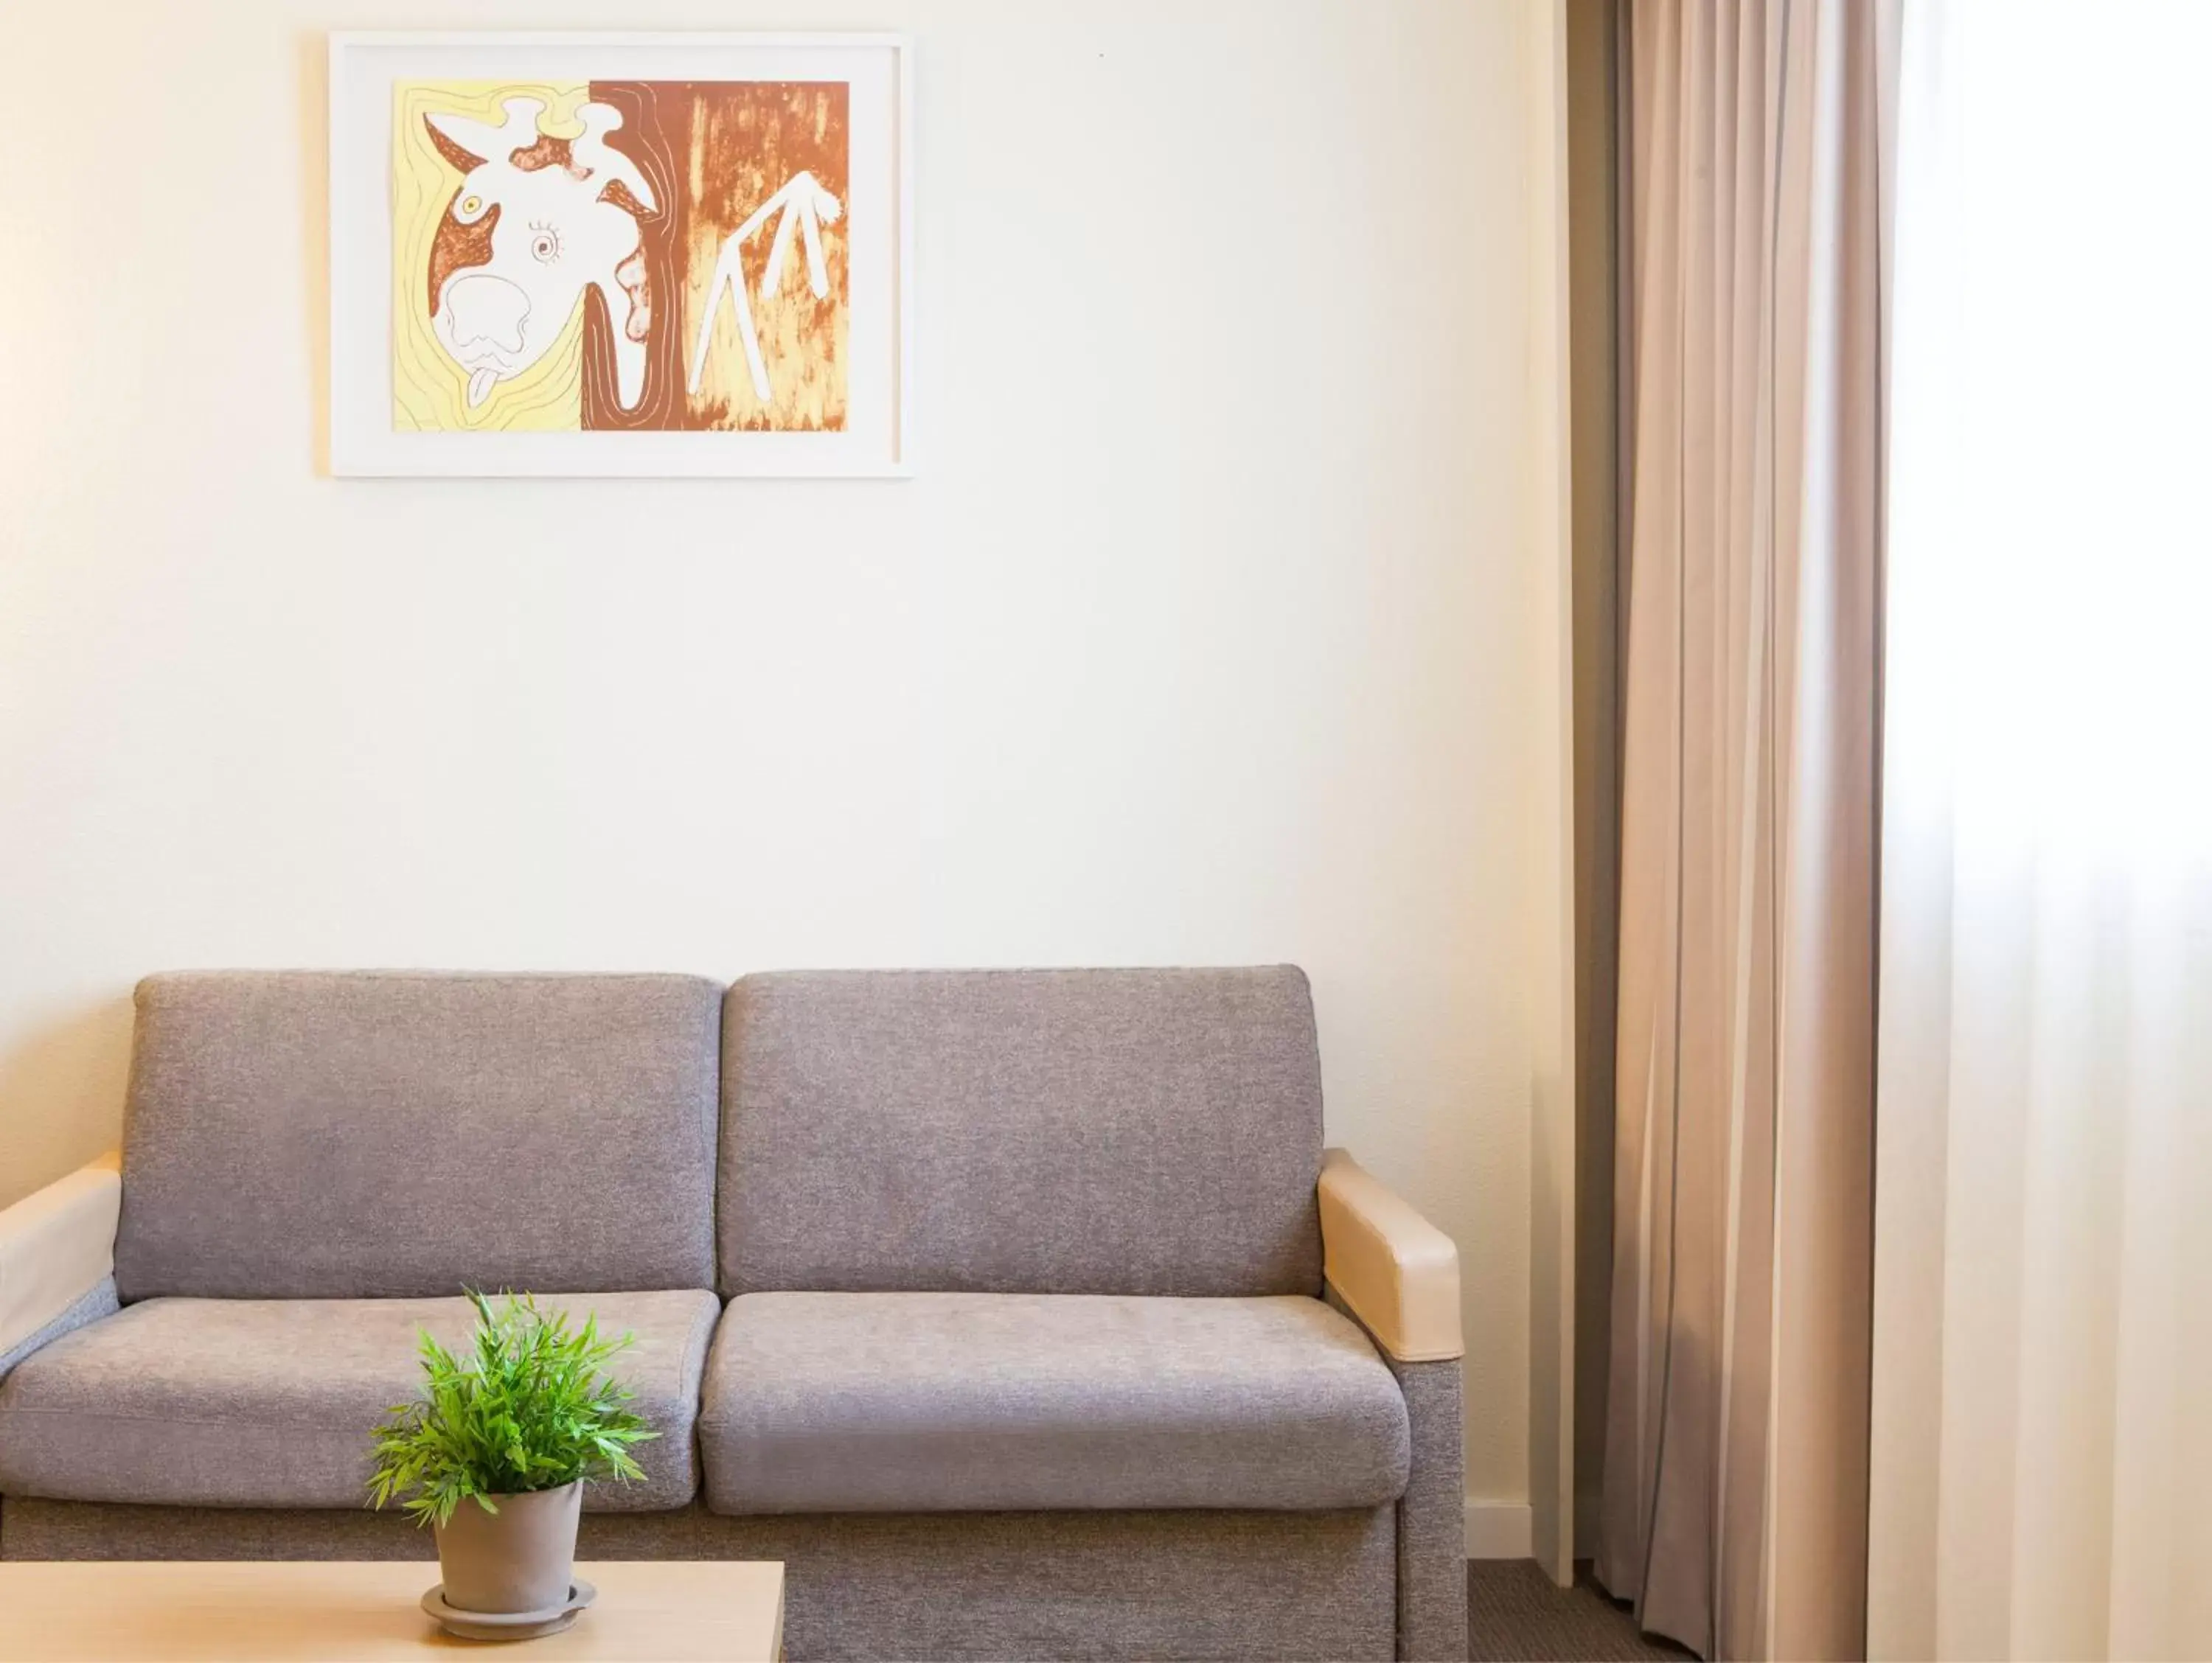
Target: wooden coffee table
132, 1613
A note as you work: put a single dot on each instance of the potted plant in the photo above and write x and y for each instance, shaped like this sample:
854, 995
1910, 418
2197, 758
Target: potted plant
496, 1452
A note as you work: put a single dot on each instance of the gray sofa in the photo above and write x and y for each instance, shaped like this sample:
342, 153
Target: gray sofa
1020, 1313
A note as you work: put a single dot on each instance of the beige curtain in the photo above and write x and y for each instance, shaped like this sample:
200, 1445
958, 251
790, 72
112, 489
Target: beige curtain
1735, 1485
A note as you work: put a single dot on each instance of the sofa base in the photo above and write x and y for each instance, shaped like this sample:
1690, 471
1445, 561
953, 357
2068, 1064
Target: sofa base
925, 1584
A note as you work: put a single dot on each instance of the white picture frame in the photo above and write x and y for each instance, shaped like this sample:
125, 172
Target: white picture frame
371, 436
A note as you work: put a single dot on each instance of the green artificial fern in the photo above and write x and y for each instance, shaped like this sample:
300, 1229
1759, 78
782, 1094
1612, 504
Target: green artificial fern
530, 1408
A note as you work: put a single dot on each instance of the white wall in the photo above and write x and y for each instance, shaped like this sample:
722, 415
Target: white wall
1202, 636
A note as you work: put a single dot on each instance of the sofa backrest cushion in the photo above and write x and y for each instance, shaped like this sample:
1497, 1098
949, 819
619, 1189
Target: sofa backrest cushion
317, 1135
1123, 1132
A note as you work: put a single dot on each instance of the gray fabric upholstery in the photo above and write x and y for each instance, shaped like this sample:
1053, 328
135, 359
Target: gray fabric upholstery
1125, 1132
1433, 1516
985, 1584
408, 1135
272, 1403
890, 1403
98, 1302
898, 1148
1432, 1513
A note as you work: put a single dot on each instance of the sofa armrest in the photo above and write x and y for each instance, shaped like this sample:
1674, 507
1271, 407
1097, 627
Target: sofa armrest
1398, 1273
57, 1245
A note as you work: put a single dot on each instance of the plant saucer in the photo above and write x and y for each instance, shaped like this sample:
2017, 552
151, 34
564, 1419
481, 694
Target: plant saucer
509, 1625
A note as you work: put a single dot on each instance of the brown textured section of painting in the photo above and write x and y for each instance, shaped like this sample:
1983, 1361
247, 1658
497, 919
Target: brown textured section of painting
458, 247
766, 163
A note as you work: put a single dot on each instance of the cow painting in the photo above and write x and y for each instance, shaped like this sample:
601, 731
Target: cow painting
533, 219
619, 254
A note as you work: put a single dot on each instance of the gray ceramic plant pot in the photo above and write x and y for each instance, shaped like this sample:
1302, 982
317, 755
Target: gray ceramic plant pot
521, 1559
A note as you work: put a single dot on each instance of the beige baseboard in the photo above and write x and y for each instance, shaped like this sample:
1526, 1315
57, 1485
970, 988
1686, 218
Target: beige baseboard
1500, 1530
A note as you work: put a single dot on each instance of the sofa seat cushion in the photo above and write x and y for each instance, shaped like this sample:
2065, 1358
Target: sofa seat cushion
274, 1402
915, 1402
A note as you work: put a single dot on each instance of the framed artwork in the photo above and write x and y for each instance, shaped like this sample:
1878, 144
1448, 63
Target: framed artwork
620, 254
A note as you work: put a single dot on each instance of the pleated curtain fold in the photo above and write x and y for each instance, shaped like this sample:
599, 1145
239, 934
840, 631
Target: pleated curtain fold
1734, 1510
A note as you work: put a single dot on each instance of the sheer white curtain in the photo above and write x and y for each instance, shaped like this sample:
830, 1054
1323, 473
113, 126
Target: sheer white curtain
2042, 1437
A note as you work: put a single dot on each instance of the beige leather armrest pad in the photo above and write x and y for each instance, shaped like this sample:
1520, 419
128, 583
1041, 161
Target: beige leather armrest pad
56, 1247
1399, 1272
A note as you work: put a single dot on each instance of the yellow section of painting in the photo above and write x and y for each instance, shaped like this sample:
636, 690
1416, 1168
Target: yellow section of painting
429, 391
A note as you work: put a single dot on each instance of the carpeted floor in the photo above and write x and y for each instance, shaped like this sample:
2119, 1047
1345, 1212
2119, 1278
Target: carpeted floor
1513, 1612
